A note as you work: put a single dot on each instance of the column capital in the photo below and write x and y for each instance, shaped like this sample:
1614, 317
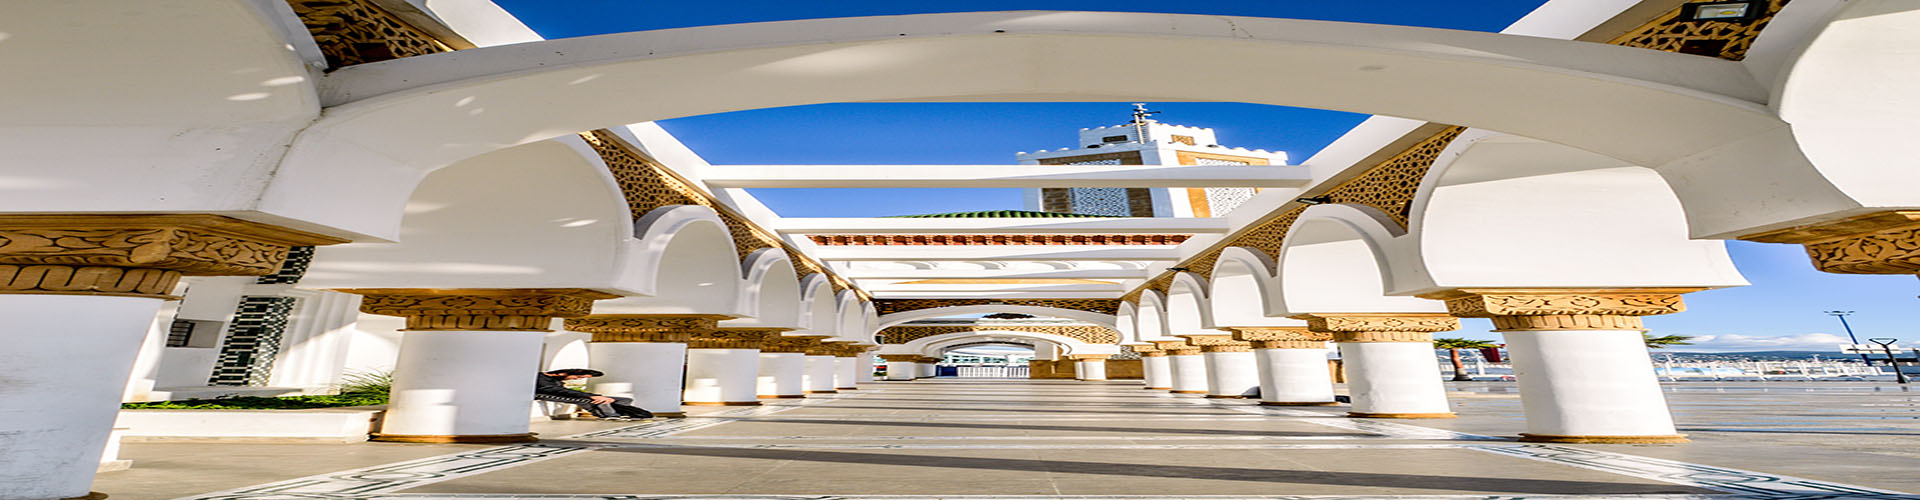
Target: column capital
901, 358
1380, 327
678, 328
845, 349
137, 255
1147, 350
1877, 243
930, 359
490, 309
1088, 357
785, 344
1563, 308
1222, 342
731, 338
1281, 337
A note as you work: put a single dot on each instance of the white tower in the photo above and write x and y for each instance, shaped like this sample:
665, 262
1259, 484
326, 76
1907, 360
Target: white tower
1163, 144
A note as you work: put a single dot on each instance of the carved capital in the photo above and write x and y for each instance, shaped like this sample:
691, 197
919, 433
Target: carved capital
1209, 339
1877, 243
1152, 354
1143, 349
1563, 309
136, 255
1088, 357
785, 344
931, 359
845, 349
1292, 344
1278, 333
901, 358
644, 327
513, 309
1361, 337
731, 338
1236, 347
1372, 322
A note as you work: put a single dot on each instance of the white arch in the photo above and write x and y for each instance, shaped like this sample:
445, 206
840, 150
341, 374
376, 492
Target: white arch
1106, 320
1125, 323
1337, 259
395, 119
1243, 284
686, 256
1150, 317
1587, 220
819, 313
1188, 310
925, 346
771, 292
852, 318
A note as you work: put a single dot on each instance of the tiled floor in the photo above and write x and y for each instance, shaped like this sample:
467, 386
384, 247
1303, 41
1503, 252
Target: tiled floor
1019, 439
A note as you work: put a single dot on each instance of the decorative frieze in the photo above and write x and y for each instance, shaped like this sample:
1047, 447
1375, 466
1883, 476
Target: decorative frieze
1563, 309
1218, 343
1102, 306
901, 358
996, 239
732, 338
512, 309
1377, 327
1876, 243
1091, 334
1147, 350
645, 327
1088, 357
136, 255
1281, 337
786, 344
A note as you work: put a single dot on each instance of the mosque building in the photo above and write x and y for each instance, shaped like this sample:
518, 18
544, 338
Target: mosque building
1145, 141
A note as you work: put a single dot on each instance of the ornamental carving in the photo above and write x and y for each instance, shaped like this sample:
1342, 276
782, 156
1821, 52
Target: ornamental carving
1278, 333
1183, 350
529, 309
1207, 340
1102, 306
194, 245
353, 32
644, 327
1345, 323
1362, 337
1889, 252
1085, 333
997, 239
116, 281
730, 338
1724, 39
1568, 322
1169, 345
1087, 357
785, 344
1292, 344
901, 358
1239, 347
1487, 303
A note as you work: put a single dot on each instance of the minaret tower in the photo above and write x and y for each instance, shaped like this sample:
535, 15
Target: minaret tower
1145, 141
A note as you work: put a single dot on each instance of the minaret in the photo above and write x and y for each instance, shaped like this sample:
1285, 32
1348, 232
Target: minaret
1145, 141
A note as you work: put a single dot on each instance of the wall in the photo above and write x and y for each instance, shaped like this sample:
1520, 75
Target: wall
1125, 369
1050, 369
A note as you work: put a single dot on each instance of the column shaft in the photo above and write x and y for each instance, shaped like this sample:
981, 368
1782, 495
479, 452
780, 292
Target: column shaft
1157, 369
1089, 367
462, 386
1292, 364
722, 377
1189, 371
1391, 372
820, 373
902, 370
66, 362
782, 375
648, 372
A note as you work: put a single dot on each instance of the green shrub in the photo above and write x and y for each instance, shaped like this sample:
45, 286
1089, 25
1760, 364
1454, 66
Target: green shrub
259, 403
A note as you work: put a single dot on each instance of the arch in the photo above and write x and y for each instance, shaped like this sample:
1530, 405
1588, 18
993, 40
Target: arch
1243, 289
1150, 318
887, 320
1339, 259
925, 346
540, 215
771, 292
1124, 323
852, 318
1189, 312
1589, 221
1852, 112
685, 255
937, 349
403, 117
819, 312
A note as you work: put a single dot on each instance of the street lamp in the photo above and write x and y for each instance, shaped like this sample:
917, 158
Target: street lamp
1886, 345
1843, 324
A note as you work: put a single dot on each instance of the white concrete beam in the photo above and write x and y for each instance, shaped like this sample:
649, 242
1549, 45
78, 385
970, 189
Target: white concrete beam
998, 252
1001, 176
997, 295
999, 225
926, 274
1006, 288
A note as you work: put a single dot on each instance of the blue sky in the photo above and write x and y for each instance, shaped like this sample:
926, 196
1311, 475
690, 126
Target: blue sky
1781, 310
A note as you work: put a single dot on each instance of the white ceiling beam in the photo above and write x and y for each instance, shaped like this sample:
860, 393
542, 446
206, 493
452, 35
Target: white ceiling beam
996, 288
997, 295
1001, 225
997, 252
1001, 176
927, 274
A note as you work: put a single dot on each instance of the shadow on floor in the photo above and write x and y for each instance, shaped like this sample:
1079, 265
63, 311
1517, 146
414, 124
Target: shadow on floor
1017, 410
1028, 427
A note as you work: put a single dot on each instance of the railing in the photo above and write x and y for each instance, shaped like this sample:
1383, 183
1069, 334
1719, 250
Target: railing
991, 371
1705, 370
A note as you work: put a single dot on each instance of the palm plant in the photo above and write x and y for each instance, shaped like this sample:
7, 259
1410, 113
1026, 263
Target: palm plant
1453, 347
1663, 341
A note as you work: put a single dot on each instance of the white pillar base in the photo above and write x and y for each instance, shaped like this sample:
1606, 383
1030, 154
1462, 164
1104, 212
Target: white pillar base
1189, 373
1394, 380
722, 377
1158, 371
782, 375
66, 363
902, 370
1231, 375
648, 372
462, 387
846, 374
820, 374
1589, 386
1294, 377
929, 370
1090, 369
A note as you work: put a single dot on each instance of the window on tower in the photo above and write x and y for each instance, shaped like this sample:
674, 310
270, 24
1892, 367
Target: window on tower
1114, 138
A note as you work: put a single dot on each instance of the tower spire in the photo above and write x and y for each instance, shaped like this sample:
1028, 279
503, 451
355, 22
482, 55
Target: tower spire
1140, 121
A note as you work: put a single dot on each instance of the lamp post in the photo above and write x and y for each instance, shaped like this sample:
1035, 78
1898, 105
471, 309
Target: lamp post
1843, 324
1886, 345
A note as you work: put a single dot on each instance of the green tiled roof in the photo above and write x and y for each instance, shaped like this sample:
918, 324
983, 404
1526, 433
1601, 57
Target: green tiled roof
1021, 214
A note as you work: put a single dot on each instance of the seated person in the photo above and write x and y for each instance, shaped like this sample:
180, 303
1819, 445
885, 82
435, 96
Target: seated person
551, 386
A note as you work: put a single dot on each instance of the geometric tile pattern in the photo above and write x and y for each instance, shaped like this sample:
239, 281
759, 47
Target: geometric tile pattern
246, 357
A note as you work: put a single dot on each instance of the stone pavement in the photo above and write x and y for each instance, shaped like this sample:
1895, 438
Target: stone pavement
1049, 439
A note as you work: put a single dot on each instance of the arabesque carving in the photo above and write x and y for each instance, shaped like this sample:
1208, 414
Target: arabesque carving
731, 338
1563, 309
353, 32
136, 255
645, 327
786, 344
1727, 39
526, 309
1085, 333
1102, 306
1876, 243
1362, 322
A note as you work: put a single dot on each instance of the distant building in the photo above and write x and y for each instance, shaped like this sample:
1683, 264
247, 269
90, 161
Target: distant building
1164, 144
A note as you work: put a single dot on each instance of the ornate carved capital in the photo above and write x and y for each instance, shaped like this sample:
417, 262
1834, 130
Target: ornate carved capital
1277, 333
1360, 337
136, 255
1236, 347
1209, 339
1877, 243
902, 358
644, 327
1143, 349
1088, 357
1375, 322
513, 309
785, 344
732, 338
931, 359
1563, 309
845, 349
1292, 344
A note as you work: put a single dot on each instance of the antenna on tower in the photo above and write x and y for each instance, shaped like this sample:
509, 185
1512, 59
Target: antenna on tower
1140, 121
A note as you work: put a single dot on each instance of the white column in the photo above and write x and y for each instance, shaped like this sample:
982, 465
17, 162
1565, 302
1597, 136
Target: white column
1090, 368
846, 373
648, 372
1294, 376
1188, 370
1394, 379
462, 386
902, 370
820, 374
1231, 371
930, 368
1589, 386
863, 366
722, 377
1157, 368
782, 375
65, 363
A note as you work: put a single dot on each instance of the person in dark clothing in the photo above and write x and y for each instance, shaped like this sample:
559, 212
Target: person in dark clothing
551, 386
